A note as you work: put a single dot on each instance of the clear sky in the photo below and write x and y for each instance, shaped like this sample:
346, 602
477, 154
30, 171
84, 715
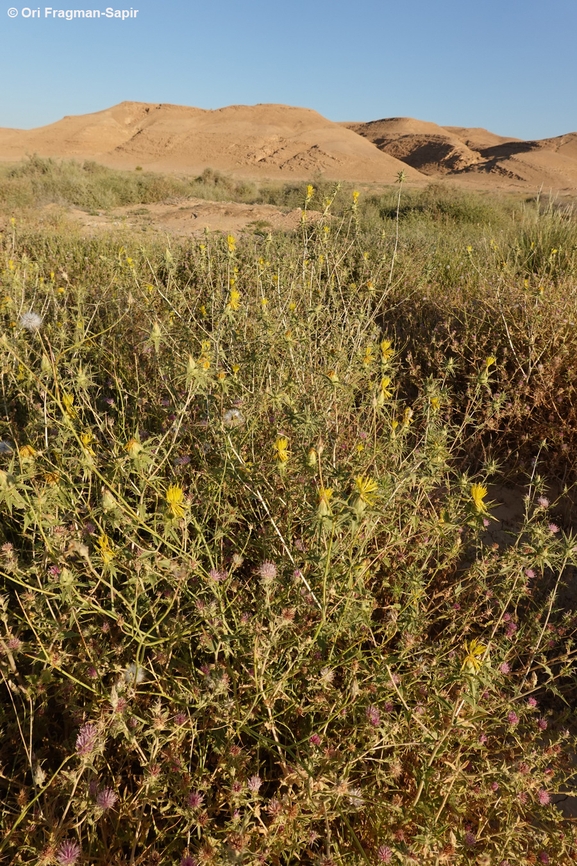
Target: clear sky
507, 65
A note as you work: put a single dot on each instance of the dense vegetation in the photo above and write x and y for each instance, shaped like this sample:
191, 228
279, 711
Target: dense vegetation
250, 609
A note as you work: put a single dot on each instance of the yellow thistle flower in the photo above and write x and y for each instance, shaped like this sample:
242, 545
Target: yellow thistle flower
369, 356
435, 403
310, 193
27, 452
68, 403
281, 449
106, 550
231, 242
387, 351
478, 493
87, 439
475, 650
325, 495
51, 477
133, 447
385, 390
490, 361
408, 416
356, 195
234, 300
175, 500
366, 488
264, 303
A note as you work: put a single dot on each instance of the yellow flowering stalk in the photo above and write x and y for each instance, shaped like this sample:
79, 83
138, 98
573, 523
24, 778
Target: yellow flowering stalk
231, 243
475, 650
281, 448
175, 500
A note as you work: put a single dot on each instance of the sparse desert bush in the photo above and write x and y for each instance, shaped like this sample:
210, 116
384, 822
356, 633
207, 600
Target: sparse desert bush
249, 610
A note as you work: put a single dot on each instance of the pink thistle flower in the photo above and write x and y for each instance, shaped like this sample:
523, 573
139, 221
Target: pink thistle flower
504, 668
544, 857
187, 860
529, 573
254, 784
195, 799
107, 798
86, 739
315, 740
531, 702
544, 797
68, 853
374, 716
217, 576
542, 724
553, 528
513, 718
511, 628
470, 839
543, 502
494, 786
384, 854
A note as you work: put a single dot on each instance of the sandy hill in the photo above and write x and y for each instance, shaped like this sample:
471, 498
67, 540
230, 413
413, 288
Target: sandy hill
476, 156
260, 140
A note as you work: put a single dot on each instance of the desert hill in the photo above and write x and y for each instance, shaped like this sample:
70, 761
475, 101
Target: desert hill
476, 155
273, 141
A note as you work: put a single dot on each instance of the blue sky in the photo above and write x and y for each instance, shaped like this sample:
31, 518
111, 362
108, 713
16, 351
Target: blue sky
507, 65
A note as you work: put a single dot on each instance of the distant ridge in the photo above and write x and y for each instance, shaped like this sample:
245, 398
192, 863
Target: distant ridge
258, 140
474, 154
286, 142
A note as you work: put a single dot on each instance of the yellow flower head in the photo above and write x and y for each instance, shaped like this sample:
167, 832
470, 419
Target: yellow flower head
478, 493
106, 550
475, 650
27, 452
234, 300
366, 488
369, 356
333, 376
175, 500
310, 193
386, 350
281, 449
356, 195
325, 495
231, 242
490, 361
385, 390
87, 439
68, 403
133, 447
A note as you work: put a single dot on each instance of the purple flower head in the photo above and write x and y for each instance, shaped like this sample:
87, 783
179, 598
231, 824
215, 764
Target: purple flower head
531, 702
217, 576
107, 798
384, 854
544, 797
513, 718
544, 857
195, 799
86, 739
553, 528
68, 853
529, 573
542, 724
470, 839
504, 668
315, 740
511, 628
374, 716
254, 784
187, 860
267, 571
494, 786
543, 502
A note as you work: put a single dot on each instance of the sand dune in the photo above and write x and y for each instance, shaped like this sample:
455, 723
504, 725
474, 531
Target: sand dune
476, 156
260, 140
